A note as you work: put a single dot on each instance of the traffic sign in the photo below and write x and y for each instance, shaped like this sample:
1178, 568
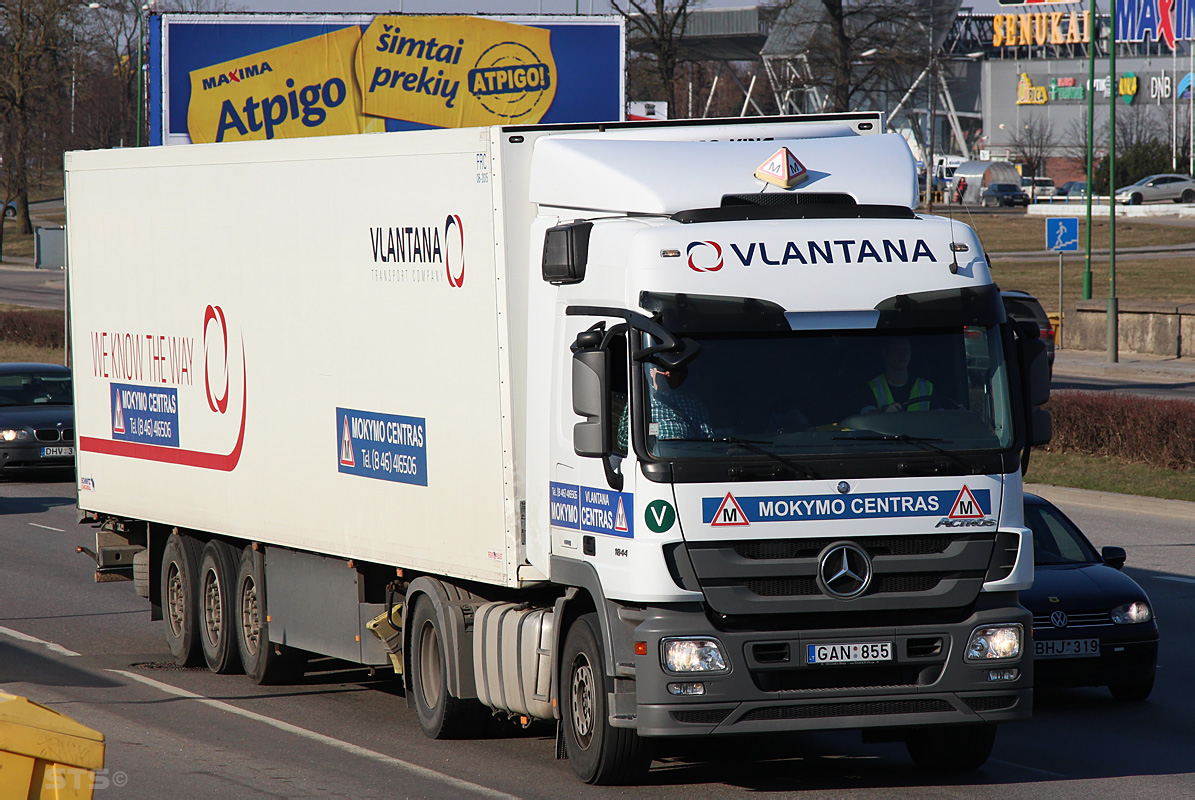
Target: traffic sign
1062, 233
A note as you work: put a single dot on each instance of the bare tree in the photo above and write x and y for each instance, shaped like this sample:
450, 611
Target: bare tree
850, 48
35, 42
662, 24
1033, 142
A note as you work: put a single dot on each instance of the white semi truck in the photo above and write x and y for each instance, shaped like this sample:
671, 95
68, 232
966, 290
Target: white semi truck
655, 430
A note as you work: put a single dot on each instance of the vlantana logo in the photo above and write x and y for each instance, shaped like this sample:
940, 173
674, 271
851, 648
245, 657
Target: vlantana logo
707, 256
703, 255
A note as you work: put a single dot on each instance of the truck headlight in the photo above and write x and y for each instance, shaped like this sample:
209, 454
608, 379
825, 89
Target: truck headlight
995, 641
1132, 613
692, 655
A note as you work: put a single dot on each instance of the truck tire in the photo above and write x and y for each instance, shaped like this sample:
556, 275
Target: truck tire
217, 608
264, 661
180, 609
441, 716
600, 753
951, 748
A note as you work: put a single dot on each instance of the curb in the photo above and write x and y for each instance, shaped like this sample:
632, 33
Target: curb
1112, 501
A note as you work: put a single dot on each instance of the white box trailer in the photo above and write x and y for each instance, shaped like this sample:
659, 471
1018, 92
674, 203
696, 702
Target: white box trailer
396, 399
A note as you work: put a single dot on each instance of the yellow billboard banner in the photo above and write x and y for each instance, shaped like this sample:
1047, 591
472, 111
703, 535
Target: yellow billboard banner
454, 72
301, 89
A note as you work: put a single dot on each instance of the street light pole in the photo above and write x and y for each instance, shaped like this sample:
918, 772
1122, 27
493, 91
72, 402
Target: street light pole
1112, 312
1090, 144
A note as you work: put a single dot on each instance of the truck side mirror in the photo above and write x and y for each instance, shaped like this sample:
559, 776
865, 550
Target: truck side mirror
1041, 427
591, 399
1037, 370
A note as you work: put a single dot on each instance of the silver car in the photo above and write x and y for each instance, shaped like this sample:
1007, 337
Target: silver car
1179, 188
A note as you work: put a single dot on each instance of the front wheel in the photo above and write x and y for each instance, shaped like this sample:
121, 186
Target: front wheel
951, 748
1135, 199
599, 752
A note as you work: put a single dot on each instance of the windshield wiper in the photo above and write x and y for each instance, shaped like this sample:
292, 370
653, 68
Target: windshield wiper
924, 442
795, 466
747, 444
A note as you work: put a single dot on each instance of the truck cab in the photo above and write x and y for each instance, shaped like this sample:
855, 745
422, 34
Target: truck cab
785, 436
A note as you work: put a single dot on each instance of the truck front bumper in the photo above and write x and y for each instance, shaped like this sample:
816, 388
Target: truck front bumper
768, 686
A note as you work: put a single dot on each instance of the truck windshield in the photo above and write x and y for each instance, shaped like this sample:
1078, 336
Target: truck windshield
840, 393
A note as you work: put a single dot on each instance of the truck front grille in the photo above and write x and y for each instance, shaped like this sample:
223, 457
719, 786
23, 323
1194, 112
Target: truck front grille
779, 576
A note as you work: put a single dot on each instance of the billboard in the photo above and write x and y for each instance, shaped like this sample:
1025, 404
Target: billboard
232, 77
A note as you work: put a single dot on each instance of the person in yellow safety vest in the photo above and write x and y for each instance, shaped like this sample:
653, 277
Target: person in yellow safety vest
893, 388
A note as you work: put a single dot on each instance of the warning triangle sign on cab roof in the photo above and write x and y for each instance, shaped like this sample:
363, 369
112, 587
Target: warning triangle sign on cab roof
782, 169
117, 413
729, 513
965, 506
346, 447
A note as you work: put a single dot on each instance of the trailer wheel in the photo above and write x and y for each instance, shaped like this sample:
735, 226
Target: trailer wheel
265, 662
217, 606
599, 752
180, 608
951, 748
441, 715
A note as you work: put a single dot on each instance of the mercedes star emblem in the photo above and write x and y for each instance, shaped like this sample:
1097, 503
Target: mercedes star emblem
844, 570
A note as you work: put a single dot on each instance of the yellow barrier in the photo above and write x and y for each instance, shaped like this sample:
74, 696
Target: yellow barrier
44, 754
1056, 324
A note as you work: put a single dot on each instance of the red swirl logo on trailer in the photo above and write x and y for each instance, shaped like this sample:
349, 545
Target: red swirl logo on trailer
700, 247
215, 358
454, 254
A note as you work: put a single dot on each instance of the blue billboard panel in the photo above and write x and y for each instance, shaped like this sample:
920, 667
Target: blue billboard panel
229, 77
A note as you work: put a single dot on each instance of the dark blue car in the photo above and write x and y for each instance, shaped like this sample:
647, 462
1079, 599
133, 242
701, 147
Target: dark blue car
1092, 624
1003, 194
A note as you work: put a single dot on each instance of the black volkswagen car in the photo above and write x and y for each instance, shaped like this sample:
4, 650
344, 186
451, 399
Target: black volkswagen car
1092, 624
1003, 194
37, 417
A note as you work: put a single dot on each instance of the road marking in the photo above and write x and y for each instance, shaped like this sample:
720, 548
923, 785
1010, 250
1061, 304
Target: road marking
24, 637
1174, 578
347, 747
1022, 766
47, 527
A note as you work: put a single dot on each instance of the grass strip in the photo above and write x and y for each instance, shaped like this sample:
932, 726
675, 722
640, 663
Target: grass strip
1106, 474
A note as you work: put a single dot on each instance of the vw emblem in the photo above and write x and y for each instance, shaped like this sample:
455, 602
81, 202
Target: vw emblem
1058, 619
844, 570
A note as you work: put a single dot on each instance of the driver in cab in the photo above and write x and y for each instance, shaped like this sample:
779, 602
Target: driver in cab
895, 389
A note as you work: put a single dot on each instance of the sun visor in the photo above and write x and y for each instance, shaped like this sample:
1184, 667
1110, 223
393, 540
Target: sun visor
665, 177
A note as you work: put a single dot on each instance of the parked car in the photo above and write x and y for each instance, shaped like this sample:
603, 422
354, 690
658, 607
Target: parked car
1073, 189
1092, 624
1038, 187
1024, 307
1179, 188
37, 417
1003, 194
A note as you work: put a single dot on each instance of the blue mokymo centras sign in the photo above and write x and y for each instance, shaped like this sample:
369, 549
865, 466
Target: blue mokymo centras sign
383, 446
732, 510
145, 414
592, 510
